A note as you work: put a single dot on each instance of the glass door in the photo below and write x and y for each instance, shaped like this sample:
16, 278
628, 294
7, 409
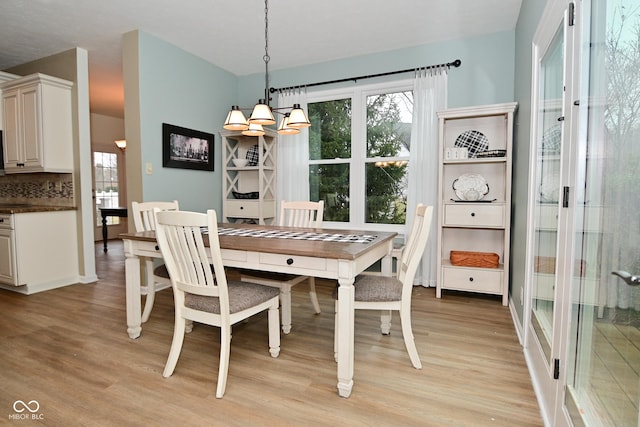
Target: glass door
547, 287
603, 382
108, 188
547, 188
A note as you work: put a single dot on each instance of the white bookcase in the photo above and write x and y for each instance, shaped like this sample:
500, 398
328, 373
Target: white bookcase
475, 151
258, 178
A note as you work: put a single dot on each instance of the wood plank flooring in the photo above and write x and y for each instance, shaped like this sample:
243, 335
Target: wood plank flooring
68, 350
614, 375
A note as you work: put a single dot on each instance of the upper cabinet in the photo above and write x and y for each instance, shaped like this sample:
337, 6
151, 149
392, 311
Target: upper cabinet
475, 199
249, 177
5, 77
37, 124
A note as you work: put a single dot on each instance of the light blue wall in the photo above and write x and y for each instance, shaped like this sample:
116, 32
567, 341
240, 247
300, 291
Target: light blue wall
530, 14
181, 89
485, 77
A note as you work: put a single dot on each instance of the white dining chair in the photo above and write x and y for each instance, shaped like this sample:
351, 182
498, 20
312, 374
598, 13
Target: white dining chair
201, 290
375, 292
157, 278
292, 214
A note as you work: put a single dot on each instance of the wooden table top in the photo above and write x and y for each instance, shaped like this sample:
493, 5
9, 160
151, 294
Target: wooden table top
315, 248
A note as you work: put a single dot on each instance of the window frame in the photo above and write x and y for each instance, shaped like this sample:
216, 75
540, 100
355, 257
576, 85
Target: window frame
357, 163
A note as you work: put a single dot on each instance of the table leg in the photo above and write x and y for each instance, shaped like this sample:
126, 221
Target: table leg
345, 333
132, 283
105, 233
385, 315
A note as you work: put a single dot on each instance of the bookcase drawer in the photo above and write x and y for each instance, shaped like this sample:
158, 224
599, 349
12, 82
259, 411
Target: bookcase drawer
472, 279
476, 215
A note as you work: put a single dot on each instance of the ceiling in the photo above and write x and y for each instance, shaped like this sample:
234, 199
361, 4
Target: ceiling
230, 33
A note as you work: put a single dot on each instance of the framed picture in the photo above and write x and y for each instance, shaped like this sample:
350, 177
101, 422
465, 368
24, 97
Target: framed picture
186, 148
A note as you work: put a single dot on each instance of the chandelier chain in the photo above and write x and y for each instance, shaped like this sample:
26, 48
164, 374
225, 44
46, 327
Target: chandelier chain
266, 31
266, 57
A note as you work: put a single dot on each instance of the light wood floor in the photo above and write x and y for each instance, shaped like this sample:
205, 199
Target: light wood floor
68, 349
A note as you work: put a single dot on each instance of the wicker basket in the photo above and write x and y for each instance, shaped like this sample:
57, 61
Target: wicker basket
547, 265
475, 259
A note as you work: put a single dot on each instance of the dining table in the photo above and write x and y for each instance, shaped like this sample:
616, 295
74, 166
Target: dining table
118, 211
322, 253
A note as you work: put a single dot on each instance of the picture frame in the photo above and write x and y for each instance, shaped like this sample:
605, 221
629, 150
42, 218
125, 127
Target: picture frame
184, 148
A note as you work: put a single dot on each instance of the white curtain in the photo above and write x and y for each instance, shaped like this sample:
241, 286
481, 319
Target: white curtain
293, 153
429, 97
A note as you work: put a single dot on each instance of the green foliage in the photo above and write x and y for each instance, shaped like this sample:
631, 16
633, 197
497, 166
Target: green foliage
330, 138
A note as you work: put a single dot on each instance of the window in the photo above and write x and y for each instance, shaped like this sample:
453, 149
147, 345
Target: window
359, 153
106, 182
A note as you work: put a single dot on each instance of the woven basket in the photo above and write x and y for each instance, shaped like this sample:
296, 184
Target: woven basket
547, 265
474, 259
544, 264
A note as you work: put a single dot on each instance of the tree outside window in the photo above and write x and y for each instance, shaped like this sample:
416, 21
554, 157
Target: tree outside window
378, 159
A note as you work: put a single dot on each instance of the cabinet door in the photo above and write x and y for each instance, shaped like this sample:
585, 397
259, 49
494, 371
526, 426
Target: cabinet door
31, 126
11, 122
8, 274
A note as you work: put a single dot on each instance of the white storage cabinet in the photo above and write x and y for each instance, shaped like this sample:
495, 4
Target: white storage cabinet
37, 125
475, 146
38, 250
257, 179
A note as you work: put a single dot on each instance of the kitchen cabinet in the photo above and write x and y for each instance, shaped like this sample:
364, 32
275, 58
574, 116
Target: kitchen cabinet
249, 190
7, 251
475, 146
37, 124
38, 250
5, 77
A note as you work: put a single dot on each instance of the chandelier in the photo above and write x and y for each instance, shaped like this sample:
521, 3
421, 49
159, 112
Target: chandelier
294, 118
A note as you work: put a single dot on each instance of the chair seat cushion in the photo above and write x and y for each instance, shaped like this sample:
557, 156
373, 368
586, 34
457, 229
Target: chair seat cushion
161, 271
370, 288
242, 295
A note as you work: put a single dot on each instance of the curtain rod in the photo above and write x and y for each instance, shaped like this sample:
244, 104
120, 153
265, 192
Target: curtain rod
455, 63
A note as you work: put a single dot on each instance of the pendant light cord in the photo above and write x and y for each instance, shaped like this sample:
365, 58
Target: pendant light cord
266, 56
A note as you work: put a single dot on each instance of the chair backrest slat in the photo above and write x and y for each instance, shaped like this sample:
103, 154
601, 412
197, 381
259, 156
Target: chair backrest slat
414, 249
143, 213
188, 260
301, 214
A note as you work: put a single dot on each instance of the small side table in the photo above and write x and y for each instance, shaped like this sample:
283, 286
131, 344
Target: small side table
107, 212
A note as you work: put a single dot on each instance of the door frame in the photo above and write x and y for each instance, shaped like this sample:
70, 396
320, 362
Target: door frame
550, 392
113, 230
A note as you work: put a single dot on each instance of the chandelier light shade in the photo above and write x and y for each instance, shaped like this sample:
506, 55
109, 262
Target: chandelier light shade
254, 129
236, 120
298, 118
284, 128
262, 115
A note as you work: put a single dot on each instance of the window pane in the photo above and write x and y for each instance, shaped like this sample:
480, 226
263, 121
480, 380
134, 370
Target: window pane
389, 118
105, 167
331, 184
330, 135
386, 199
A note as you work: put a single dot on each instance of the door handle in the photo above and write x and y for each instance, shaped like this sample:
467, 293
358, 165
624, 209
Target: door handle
628, 278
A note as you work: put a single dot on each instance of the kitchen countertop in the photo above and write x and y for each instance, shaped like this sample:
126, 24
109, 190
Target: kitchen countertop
8, 208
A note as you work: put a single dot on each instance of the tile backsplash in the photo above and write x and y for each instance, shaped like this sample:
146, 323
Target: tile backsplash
48, 189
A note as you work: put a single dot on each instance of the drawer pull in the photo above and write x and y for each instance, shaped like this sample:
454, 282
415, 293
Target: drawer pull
157, 248
471, 279
289, 261
241, 207
473, 214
